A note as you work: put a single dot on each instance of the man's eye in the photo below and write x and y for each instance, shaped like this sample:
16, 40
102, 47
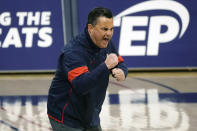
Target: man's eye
105, 29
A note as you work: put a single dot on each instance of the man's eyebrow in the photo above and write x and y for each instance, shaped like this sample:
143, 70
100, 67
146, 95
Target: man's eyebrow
105, 28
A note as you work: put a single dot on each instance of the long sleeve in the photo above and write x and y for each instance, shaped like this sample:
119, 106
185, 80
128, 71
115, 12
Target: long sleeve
121, 63
79, 75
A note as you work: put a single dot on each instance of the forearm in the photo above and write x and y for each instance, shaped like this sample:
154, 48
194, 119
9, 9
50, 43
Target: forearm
86, 81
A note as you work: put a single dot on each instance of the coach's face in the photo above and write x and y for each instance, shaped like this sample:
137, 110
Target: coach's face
102, 32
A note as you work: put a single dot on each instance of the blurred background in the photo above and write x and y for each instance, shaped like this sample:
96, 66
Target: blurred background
156, 38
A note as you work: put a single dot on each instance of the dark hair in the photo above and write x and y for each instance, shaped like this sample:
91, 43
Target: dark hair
97, 12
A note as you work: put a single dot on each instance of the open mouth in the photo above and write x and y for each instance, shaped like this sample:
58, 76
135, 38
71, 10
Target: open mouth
106, 39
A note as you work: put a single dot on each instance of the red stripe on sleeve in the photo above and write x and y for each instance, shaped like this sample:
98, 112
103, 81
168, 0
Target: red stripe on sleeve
76, 72
120, 59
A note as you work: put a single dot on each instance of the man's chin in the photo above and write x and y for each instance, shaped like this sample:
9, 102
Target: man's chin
104, 45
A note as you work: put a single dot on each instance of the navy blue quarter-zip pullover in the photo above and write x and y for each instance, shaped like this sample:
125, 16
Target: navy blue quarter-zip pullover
79, 87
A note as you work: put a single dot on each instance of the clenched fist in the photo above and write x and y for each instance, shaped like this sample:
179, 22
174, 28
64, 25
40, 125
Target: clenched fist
111, 60
118, 74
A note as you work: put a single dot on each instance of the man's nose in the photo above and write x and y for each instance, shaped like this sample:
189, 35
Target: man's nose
109, 33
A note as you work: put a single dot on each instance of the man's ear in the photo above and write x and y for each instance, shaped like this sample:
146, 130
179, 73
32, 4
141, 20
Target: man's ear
90, 27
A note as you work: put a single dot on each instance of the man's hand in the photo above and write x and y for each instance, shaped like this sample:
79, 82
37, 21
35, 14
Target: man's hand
118, 74
111, 60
